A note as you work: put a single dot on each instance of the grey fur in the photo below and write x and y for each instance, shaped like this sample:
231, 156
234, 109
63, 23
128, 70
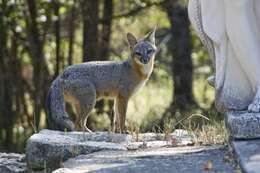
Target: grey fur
57, 118
83, 84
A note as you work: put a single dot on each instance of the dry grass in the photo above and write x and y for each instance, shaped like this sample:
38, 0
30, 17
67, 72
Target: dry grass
215, 133
206, 129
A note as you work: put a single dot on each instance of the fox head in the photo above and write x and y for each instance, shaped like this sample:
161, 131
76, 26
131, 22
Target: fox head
143, 50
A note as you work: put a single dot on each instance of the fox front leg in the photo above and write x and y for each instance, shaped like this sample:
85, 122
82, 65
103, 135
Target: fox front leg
120, 107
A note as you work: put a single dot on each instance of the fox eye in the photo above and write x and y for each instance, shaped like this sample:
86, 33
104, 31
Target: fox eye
149, 51
138, 53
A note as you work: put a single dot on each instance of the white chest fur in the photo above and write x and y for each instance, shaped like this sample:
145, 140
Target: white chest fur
147, 68
139, 86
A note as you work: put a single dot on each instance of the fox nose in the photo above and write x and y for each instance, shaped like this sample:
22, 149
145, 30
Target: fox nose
144, 60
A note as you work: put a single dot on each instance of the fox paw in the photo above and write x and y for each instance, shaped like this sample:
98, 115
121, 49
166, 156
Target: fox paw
254, 106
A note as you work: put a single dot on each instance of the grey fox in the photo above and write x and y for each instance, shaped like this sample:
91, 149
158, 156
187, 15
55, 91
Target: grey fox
82, 84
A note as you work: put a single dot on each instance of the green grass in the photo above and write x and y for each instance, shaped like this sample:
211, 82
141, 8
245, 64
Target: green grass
145, 111
149, 103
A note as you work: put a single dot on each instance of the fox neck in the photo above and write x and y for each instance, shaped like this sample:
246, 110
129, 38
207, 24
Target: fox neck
143, 71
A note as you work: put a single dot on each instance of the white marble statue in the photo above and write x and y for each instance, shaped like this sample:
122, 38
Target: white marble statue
230, 29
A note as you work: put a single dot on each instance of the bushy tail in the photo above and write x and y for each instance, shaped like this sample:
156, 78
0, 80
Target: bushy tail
57, 117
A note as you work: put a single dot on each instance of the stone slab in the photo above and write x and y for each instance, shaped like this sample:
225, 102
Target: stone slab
12, 163
248, 155
164, 160
95, 136
48, 149
243, 125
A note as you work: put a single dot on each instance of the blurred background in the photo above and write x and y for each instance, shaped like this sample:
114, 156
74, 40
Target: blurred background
39, 38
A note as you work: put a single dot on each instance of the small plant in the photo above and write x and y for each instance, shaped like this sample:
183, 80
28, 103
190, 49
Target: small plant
168, 128
33, 124
134, 129
212, 133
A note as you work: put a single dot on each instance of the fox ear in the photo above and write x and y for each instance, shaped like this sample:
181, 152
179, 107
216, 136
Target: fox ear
151, 36
131, 40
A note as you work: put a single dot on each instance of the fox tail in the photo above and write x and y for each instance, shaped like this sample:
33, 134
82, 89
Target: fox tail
57, 117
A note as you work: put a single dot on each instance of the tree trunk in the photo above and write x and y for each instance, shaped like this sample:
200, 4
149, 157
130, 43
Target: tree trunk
56, 7
36, 51
104, 45
90, 34
106, 29
8, 84
90, 29
180, 47
71, 31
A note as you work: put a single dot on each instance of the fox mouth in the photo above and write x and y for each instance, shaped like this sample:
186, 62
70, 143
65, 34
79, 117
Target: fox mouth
142, 60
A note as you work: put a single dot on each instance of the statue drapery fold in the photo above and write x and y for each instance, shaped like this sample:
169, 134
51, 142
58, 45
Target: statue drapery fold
215, 21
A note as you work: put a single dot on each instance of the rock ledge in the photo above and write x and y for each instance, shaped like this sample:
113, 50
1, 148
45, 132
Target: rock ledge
49, 149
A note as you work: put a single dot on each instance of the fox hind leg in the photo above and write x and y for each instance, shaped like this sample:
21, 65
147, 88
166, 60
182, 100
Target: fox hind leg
84, 93
87, 103
83, 112
83, 116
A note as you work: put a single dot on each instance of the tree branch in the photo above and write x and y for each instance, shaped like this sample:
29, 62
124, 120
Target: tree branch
136, 10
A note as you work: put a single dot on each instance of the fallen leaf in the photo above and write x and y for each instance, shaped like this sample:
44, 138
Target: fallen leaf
174, 141
208, 166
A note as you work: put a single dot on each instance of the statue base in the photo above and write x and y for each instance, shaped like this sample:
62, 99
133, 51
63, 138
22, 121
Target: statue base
243, 125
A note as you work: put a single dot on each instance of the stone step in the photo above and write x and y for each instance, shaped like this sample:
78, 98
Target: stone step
248, 154
189, 159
